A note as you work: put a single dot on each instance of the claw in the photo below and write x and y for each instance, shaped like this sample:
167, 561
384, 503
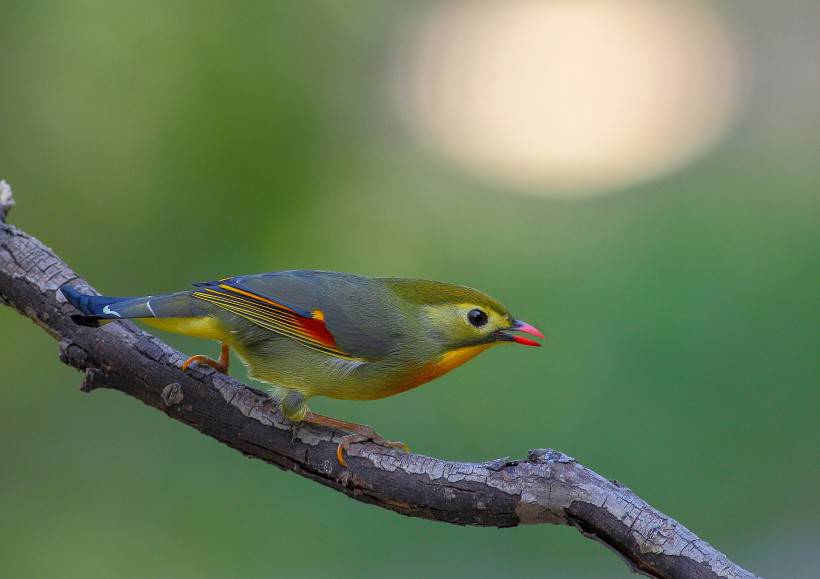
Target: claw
221, 364
200, 359
369, 436
358, 433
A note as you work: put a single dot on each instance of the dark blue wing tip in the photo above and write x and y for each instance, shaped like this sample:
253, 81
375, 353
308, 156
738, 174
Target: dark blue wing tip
70, 293
86, 303
76, 299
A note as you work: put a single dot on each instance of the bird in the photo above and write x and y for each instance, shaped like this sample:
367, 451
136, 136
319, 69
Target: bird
313, 333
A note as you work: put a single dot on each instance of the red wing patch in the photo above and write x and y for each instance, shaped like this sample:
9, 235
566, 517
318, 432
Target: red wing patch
306, 327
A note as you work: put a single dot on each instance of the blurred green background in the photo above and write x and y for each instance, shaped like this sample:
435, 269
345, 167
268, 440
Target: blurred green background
153, 144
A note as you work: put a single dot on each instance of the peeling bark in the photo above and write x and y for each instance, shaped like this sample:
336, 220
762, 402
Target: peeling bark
546, 487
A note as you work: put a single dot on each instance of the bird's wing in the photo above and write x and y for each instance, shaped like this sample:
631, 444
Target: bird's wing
306, 326
340, 314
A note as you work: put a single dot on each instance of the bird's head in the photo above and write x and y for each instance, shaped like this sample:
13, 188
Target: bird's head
457, 317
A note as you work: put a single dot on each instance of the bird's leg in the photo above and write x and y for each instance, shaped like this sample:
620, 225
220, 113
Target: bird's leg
358, 433
221, 364
293, 404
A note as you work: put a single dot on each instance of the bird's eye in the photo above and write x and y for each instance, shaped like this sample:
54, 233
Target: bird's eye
477, 317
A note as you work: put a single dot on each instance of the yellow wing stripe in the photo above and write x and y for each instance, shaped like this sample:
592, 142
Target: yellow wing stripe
254, 296
285, 315
261, 320
274, 319
270, 315
267, 312
248, 310
287, 319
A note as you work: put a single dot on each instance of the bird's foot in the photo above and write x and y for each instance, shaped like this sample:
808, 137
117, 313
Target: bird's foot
366, 434
221, 364
358, 433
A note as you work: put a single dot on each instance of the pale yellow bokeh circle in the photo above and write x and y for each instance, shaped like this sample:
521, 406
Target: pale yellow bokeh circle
568, 97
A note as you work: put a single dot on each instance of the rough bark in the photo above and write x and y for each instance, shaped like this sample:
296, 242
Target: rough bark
546, 487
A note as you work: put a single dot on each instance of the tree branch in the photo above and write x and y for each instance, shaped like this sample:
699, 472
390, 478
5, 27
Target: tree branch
547, 487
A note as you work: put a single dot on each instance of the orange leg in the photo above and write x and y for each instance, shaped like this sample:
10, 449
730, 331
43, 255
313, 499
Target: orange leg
359, 433
221, 364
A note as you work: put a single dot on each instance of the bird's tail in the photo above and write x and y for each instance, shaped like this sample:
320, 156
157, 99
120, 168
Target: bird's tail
98, 310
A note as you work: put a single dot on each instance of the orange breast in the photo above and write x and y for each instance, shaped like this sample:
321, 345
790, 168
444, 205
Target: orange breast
444, 364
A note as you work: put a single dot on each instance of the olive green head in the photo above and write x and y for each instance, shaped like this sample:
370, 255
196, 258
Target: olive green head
461, 317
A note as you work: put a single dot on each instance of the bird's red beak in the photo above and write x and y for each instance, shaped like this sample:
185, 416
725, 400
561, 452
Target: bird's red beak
520, 326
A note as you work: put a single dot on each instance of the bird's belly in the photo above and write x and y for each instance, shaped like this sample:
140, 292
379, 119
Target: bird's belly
322, 375
344, 384
312, 373
307, 371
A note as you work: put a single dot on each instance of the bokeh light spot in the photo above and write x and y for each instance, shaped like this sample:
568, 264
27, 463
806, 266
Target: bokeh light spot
568, 98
